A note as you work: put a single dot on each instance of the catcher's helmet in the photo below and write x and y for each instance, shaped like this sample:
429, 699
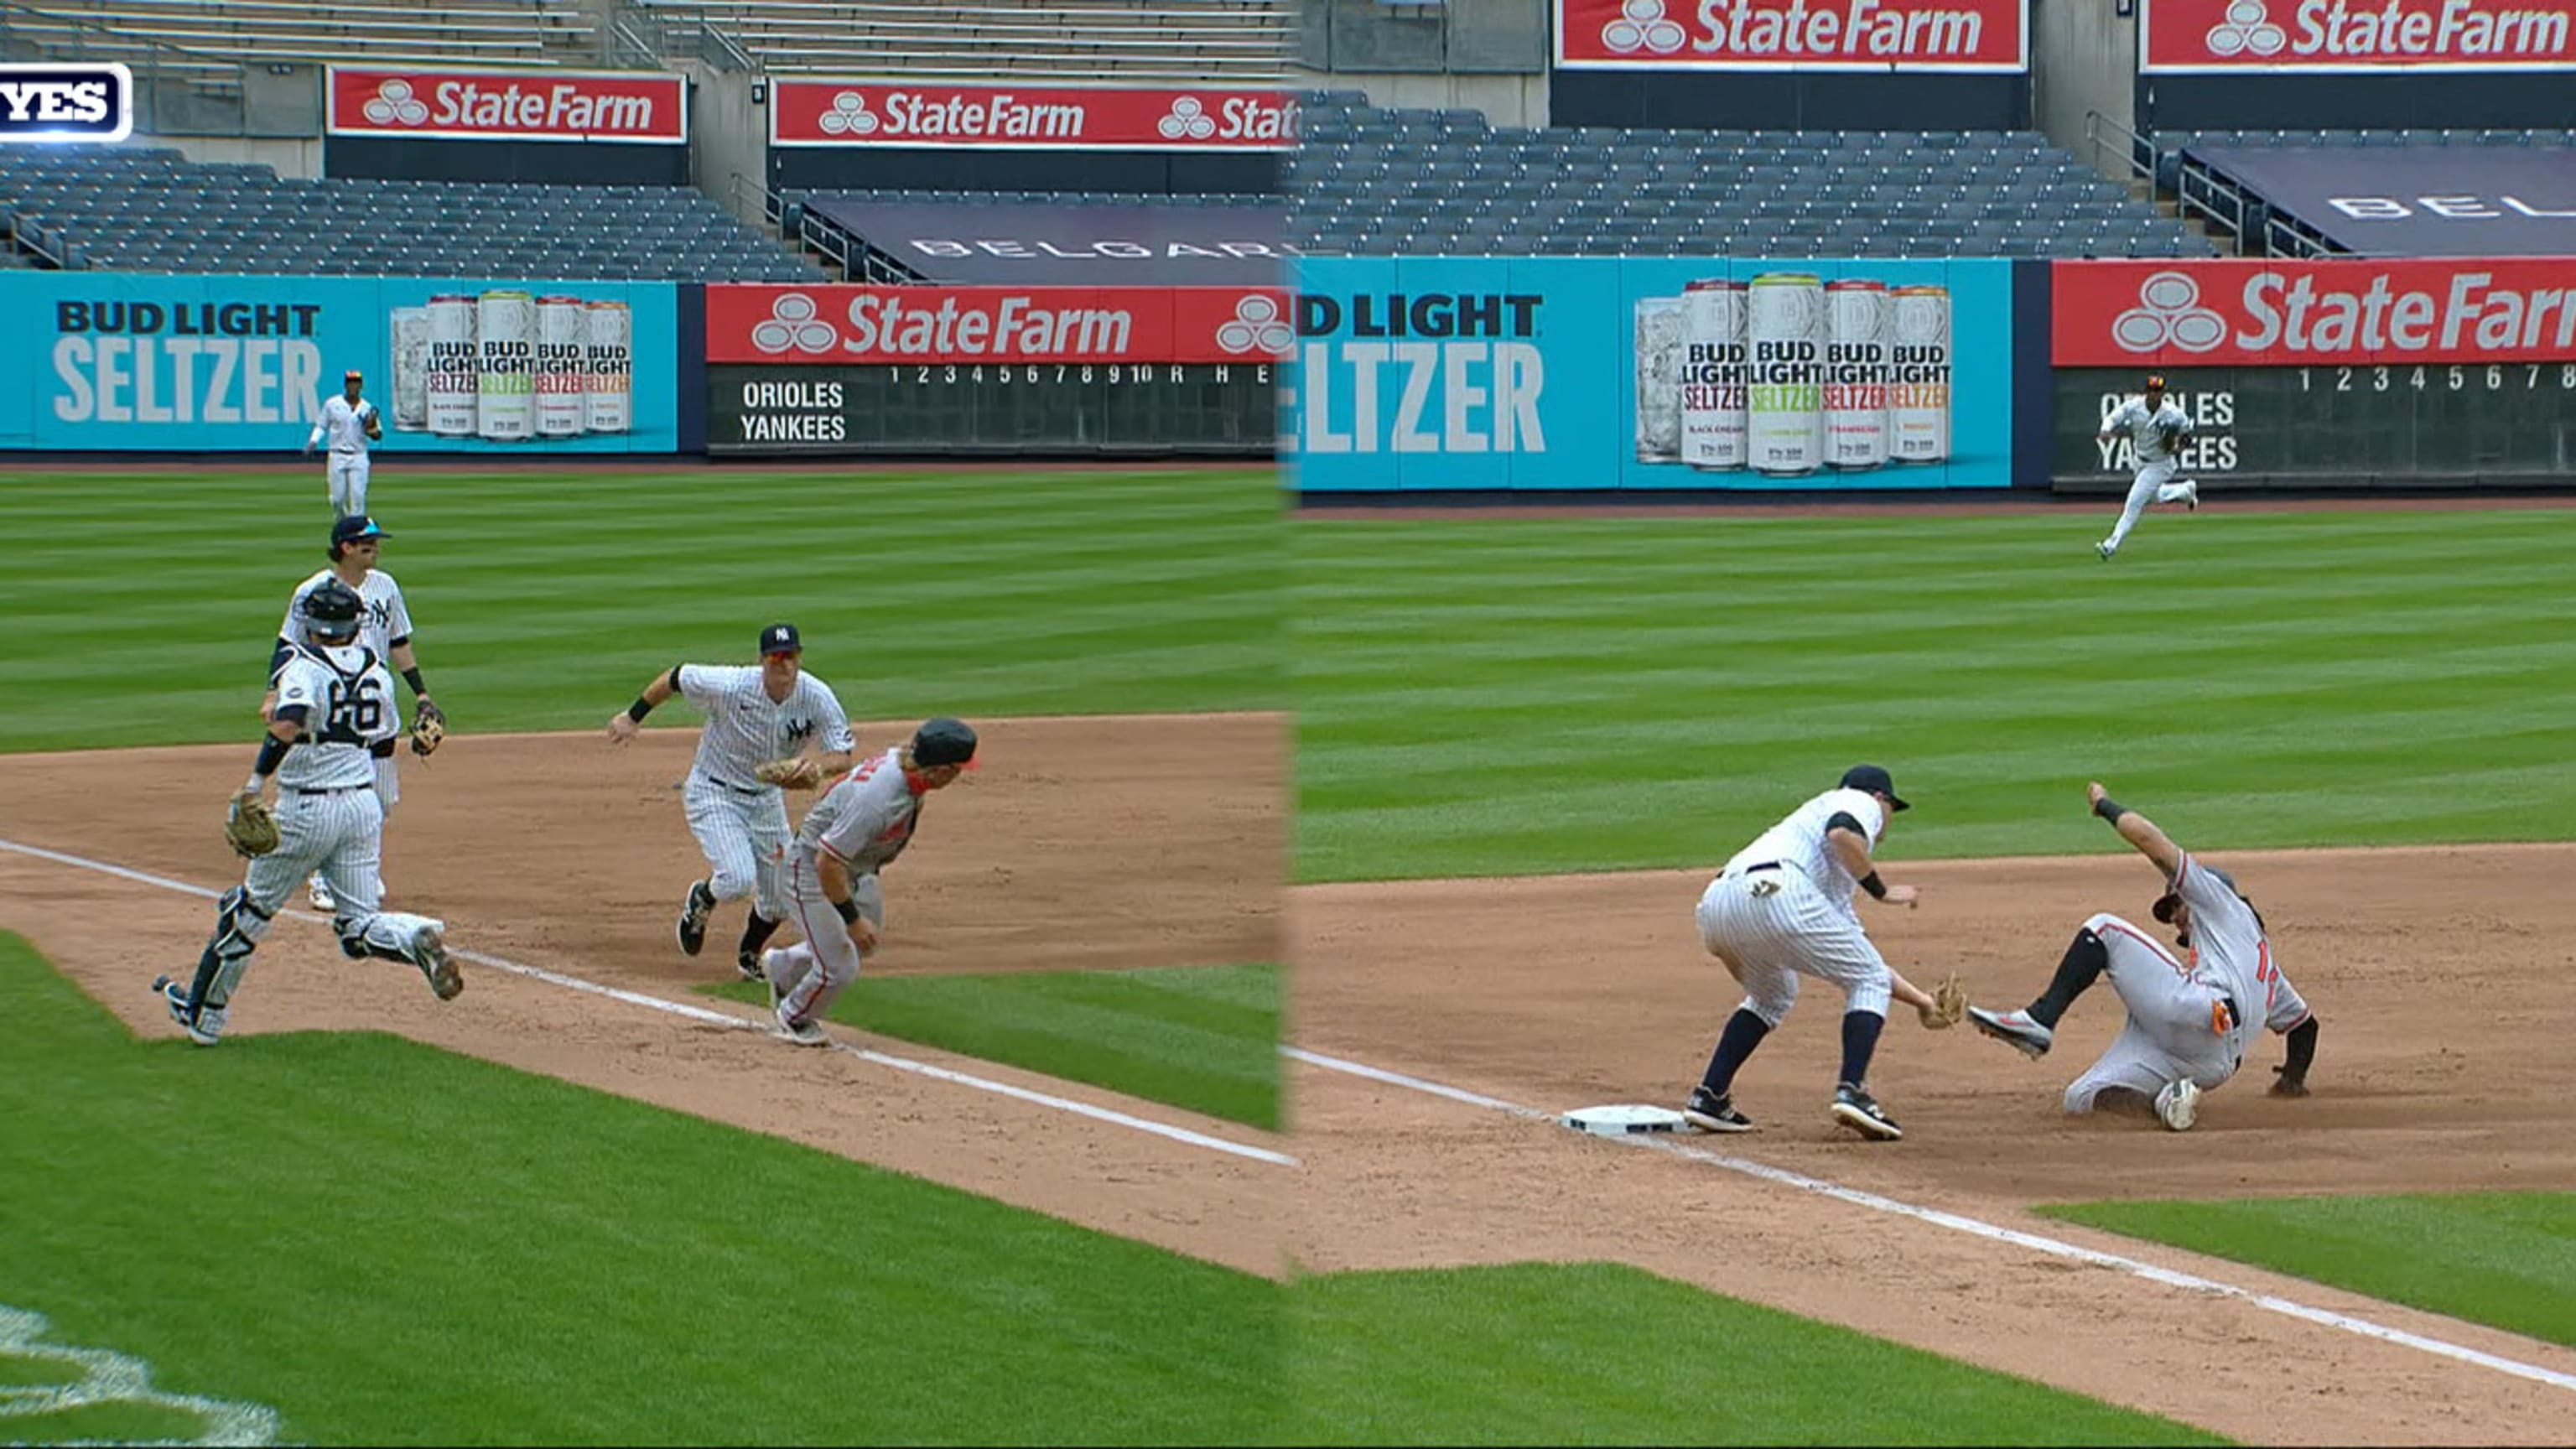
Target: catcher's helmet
331, 612
944, 741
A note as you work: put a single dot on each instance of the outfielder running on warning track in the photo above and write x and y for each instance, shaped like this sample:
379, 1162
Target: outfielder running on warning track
2156, 430
856, 830
334, 707
756, 716
2189, 1023
1782, 908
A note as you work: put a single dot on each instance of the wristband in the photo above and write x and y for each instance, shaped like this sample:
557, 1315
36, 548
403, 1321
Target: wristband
1877, 888
2110, 809
849, 911
411, 677
638, 709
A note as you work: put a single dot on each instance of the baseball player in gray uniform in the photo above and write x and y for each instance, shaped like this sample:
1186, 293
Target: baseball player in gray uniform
2156, 430
756, 715
1781, 909
856, 830
334, 707
383, 628
2189, 1022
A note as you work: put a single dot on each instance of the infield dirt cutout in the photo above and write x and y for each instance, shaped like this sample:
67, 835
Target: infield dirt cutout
2439, 976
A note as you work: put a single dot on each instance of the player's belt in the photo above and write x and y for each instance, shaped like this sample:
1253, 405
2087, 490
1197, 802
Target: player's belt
737, 789
1766, 865
327, 789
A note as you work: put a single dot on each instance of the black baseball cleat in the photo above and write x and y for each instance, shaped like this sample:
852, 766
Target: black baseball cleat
1712, 1112
748, 963
1860, 1112
693, 917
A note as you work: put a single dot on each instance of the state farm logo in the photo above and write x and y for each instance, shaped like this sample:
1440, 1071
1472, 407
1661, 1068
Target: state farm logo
1257, 326
849, 116
793, 324
1188, 121
1642, 25
2247, 30
2169, 314
66, 102
393, 104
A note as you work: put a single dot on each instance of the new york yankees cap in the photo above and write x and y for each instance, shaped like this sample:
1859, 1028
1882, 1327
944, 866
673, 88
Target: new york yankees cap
354, 527
1876, 781
780, 639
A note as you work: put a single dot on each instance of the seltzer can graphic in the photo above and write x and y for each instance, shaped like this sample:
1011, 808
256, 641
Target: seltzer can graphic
1918, 392
454, 363
506, 377
1659, 382
608, 346
1856, 367
563, 366
1784, 392
411, 369
1713, 360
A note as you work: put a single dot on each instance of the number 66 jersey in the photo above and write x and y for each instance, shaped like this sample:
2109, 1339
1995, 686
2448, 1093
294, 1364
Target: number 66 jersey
348, 700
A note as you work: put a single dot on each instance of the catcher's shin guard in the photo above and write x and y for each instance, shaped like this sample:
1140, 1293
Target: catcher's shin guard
239, 925
388, 936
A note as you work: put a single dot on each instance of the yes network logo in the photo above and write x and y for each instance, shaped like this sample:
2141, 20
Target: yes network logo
66, 102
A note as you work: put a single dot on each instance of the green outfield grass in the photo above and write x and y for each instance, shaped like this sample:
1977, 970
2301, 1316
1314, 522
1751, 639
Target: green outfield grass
1599, 1354
138, 608
1201, 1037
1481, 697
389, 1244
2501, 1258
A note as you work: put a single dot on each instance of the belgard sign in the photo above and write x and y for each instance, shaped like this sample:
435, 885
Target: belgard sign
1893, 35
839, 324
2138, 314
507, 105
2357, 35
878, 113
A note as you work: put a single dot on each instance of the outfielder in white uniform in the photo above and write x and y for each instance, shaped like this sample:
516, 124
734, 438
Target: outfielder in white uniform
334, 709
755, 715
384, 628
1781, 909
2189, 1022
2156, 430
856, 830
349, 422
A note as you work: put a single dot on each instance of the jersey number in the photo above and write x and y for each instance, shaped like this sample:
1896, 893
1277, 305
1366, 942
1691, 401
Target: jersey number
357, 713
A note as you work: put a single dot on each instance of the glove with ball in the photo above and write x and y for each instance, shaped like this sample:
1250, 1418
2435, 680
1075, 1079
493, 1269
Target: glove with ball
1949, 1004
249, 828
796, 772
428, 728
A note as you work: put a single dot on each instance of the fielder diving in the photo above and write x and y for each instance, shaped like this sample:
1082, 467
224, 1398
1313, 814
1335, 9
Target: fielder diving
2156, 430
334, 710
2189, 1023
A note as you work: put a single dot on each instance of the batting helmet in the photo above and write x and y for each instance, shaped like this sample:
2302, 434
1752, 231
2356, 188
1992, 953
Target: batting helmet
944, 741
2164, 907
331, 612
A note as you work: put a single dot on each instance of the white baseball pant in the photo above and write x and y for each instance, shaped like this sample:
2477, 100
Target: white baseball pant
332, 833
1778, 925
348, 483
2154, 483
2174, 1021
743, 835
812, 973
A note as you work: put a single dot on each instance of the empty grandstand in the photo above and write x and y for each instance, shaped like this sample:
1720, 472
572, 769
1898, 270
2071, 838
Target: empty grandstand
1189, 42
220, 32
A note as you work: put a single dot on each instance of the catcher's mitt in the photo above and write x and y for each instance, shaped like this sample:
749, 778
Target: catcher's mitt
248, 826
796, 772
428, 727
1949, 1004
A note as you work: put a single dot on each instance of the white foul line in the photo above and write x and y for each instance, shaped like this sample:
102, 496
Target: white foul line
708, 1015
2054, 1247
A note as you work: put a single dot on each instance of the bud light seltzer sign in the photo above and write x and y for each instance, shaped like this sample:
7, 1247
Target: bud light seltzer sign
66, 102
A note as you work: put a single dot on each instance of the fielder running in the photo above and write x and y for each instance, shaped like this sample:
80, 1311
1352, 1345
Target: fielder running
757, 717
334, 707
2189, 1024
2156, 430
1782, 908
350, 423
856, 830
384, 629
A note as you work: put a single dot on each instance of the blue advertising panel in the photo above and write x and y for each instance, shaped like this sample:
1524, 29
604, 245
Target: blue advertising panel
111, 361
1490, 373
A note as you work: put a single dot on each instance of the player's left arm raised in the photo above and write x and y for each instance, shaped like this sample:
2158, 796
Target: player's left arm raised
2138, 830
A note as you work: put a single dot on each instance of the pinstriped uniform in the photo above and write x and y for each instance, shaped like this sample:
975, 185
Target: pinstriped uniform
741, 824
1782, 908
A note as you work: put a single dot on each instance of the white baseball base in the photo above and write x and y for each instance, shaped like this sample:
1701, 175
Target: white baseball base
1622, 1119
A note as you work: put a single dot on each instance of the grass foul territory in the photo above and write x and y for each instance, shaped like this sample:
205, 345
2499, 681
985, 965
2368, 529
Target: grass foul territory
1480, 697
2500, 1258
139, 608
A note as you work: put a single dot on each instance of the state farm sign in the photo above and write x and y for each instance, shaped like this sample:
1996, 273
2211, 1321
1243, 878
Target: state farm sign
1893, 35
510, 105
874, 113
2356, 35
830, 325
2180, 314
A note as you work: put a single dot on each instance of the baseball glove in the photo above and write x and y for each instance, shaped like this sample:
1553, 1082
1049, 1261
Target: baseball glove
248, 826
796, 772
1949, 1004
428, 727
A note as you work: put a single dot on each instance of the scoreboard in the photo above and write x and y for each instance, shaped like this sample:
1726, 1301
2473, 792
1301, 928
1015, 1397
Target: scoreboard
999, 408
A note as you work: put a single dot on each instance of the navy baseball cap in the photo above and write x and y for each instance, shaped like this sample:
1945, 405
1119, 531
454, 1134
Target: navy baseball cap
780, 639
354, 527
1874, 780
944, 741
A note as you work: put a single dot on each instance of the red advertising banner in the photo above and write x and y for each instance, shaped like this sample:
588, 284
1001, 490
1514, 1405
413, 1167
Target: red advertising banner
836, 325
2296, 36
904, 113
1892, 35
2289, 313
509, 105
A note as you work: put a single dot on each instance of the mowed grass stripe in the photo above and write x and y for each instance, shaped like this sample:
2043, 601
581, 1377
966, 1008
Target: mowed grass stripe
1497, 697
544, 602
